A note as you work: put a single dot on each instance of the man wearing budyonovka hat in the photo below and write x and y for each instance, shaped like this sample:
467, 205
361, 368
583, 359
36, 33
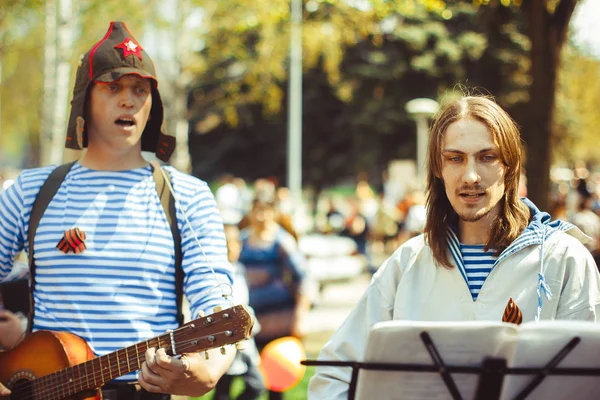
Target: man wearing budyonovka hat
103, 250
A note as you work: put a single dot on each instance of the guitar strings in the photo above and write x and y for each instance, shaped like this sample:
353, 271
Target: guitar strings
50, 390
100, 374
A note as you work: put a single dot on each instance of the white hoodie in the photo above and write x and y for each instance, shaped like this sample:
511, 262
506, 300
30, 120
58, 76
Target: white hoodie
545, 259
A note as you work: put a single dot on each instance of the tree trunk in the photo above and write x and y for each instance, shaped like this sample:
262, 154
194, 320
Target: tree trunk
547, 33
65, 30
48, 97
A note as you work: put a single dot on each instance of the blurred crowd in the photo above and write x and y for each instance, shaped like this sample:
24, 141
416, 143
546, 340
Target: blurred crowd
575, 197
380, 217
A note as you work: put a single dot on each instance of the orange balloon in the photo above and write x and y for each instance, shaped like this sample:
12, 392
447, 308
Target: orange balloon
280, 363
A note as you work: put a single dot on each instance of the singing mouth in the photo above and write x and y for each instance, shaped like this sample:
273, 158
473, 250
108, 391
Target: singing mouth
472, 195
125, 121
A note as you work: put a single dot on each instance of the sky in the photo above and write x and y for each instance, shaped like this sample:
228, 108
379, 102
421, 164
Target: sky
585, 25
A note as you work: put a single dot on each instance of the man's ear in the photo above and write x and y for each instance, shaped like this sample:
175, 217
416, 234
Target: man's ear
79, 131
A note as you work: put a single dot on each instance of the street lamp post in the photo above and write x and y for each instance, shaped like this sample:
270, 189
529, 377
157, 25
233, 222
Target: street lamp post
420, 111
294, 157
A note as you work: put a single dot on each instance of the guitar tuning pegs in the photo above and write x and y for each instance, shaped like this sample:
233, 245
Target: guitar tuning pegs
223, 351
200, 314
217, 309
241, 345
206, 355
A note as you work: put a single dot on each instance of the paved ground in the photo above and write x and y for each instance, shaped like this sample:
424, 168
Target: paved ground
338, 299
334, 304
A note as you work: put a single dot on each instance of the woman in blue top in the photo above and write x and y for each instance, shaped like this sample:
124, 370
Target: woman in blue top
275, 272
275, 275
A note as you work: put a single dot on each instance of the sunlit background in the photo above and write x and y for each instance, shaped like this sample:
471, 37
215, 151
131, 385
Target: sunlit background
330, 103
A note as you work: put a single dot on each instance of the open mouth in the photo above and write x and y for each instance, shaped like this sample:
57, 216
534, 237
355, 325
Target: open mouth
472, 195
125, 122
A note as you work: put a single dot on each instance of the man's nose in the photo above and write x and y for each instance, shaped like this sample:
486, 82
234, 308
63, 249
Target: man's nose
470, 174
126, 99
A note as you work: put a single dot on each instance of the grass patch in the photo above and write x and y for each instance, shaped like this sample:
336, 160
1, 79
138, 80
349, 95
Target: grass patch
313, 343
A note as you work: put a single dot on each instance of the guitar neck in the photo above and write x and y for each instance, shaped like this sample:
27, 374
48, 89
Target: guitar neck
219, 329
95, 373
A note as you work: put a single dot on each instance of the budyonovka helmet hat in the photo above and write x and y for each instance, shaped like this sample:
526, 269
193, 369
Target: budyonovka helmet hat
117, 54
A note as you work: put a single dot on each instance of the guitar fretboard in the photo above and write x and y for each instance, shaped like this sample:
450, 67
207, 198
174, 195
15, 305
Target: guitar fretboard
94, 373
221, 328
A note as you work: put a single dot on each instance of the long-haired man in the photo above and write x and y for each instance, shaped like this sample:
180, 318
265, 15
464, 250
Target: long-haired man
482, 245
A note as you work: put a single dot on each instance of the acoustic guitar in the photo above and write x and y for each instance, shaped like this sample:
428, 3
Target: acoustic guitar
59, 365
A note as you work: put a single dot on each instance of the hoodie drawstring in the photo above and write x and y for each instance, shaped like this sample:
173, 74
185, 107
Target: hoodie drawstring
542, 287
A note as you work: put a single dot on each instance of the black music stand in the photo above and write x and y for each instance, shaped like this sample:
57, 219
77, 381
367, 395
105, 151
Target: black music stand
491, 372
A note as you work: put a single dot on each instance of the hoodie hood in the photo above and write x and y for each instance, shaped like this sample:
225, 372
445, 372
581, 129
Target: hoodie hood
541, 221
539, 229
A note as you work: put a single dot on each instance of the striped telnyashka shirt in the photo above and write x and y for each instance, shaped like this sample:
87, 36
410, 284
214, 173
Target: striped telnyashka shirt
121, 289
478, 264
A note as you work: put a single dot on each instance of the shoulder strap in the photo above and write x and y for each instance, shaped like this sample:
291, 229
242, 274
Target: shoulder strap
168, 203
44, 197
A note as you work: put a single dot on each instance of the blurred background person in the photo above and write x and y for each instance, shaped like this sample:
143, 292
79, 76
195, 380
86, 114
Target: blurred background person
230, 202
416, 216
275, 271
246, 361
586, 220
335, 222
357, 228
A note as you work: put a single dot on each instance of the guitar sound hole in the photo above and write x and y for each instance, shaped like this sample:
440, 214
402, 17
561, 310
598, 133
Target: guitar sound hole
22, 390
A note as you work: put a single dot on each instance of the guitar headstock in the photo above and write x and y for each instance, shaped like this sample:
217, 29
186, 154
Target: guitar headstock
221, 328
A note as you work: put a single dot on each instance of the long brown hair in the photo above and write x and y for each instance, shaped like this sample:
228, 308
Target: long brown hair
514, 215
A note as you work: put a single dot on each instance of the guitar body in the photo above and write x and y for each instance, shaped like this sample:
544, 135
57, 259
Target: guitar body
42, 353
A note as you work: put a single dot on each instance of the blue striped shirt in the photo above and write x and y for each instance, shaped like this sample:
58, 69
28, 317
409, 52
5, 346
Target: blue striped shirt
478, 264
121, 289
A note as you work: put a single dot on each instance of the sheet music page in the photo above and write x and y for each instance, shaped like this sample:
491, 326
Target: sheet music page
464, 343
538, 343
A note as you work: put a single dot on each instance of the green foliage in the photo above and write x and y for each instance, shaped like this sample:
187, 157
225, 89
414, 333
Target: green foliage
21, 24
577, 104
360, 69
22, 40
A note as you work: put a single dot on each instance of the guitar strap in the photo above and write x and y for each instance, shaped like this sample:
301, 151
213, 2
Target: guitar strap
168, 203
49, 189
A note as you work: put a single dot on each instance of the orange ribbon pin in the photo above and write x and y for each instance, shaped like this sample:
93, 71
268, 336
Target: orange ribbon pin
512, 313
73, 240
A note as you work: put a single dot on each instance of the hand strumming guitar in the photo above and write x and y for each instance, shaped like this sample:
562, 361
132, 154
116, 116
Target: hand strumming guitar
3, 331
3, 390
10, 335
11, 332
6, 328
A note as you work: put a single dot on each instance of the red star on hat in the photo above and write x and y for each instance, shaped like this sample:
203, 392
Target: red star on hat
130, 47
